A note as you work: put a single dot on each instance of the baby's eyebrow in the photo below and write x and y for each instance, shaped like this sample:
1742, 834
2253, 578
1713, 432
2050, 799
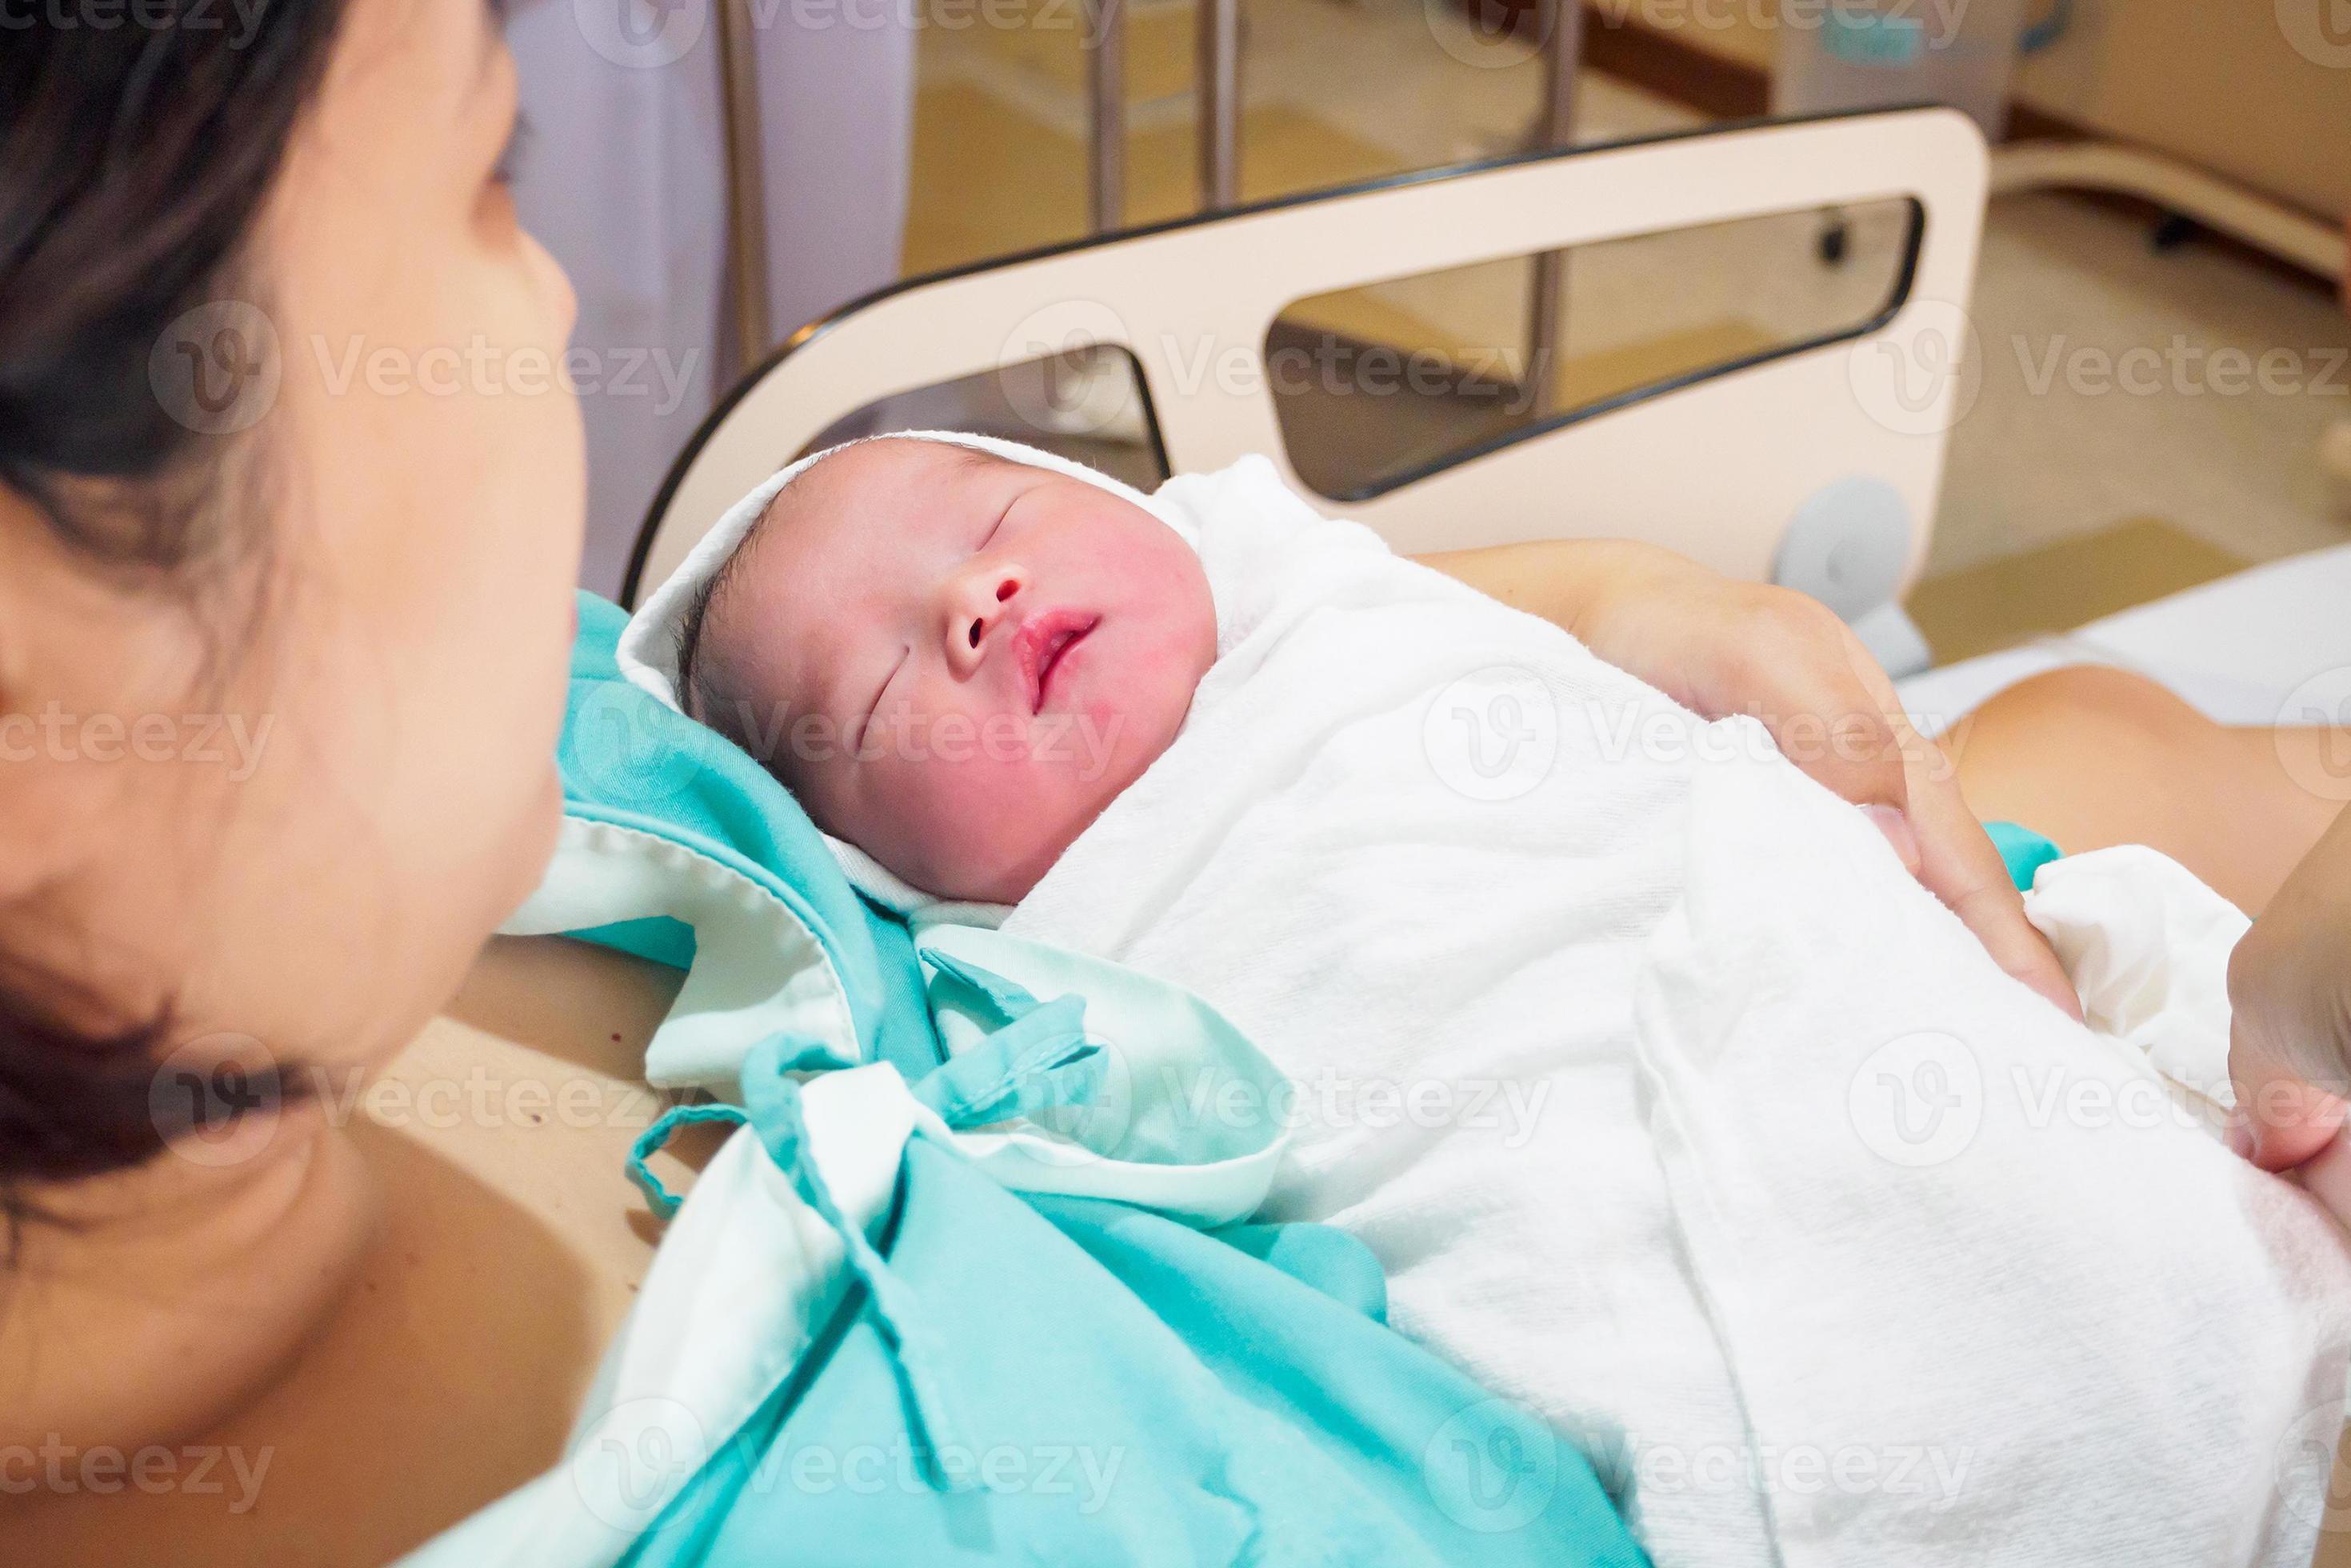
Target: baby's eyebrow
974, 457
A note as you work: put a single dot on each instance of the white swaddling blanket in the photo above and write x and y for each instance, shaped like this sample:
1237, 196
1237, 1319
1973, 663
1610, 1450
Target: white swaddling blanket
1677, 1111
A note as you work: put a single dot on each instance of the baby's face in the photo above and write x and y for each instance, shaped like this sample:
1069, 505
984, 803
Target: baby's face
957, 660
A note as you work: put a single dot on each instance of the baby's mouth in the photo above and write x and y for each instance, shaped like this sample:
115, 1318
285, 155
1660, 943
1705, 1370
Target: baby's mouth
1042, 641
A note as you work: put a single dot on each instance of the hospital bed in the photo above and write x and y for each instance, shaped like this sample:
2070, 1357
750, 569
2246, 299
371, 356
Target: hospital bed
1776, 429
1813, 463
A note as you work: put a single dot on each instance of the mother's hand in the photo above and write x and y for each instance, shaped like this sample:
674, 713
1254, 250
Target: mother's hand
1721, 647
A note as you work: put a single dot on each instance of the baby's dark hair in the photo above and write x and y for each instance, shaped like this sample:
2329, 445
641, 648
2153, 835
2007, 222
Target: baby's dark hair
704, 688
694, 689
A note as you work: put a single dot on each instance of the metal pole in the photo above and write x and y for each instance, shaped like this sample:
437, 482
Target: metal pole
1106, 105
746, 185
1563, 21
1220, 67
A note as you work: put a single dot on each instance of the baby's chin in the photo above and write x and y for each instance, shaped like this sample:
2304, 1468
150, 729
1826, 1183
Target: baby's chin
999, 852
992, 835
979, 872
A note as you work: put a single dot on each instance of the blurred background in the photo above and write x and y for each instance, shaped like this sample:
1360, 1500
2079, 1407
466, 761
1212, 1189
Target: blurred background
2160, 401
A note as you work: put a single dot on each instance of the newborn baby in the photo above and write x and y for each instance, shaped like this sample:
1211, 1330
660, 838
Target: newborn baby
1672, 1105
1003, 650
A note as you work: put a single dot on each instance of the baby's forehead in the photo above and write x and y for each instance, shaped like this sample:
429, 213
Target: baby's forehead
888, 464
872, 491
863, 513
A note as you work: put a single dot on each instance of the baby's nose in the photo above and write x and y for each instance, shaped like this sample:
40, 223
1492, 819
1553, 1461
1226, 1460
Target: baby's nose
979, 597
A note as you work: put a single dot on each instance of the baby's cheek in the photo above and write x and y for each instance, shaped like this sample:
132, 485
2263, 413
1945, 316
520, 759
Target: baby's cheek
1010, 814
1027, 799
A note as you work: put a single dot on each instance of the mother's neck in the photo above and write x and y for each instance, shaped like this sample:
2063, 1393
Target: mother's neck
151, 1305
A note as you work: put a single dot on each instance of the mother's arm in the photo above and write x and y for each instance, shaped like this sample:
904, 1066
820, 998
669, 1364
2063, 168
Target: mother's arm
1719, 646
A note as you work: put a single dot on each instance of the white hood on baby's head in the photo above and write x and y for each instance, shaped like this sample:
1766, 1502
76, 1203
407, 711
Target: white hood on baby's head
650, 646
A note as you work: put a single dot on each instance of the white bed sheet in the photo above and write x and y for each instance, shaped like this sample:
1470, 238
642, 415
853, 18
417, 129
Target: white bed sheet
2269, 645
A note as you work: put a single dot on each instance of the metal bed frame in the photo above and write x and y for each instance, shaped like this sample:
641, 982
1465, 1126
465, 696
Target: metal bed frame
1816, 462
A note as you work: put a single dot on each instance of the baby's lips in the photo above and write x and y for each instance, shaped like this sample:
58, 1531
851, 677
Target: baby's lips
1040, 640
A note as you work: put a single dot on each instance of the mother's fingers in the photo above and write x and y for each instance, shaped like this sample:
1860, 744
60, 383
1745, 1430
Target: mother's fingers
1742, 648
1842, 723
1959, 866
1802, 674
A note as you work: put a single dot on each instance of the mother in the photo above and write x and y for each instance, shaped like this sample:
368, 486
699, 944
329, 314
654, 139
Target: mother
285, 603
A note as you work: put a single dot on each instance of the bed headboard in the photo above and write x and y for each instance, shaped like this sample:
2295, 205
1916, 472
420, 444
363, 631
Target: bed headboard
1716, 464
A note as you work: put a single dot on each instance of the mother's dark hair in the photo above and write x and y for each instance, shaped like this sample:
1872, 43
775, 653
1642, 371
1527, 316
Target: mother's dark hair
135, 161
